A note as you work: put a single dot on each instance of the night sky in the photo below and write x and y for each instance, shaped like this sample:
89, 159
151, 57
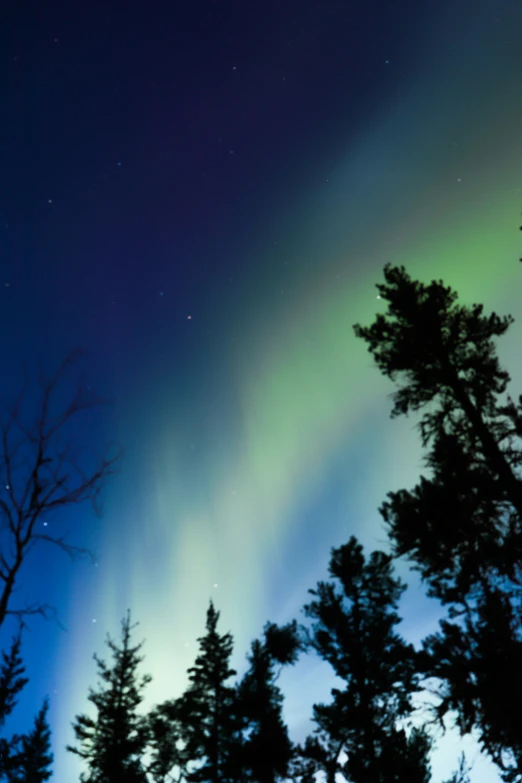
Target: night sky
202, 195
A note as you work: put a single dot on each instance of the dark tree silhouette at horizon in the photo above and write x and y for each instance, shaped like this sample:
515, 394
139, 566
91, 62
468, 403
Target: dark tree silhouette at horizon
12, 682
24, 758
33, 757
266, 750
114, 742
250, 742
461, 527
353, 630
206, 710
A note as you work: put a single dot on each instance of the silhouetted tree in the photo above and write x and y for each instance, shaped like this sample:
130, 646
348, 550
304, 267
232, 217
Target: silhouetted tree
113, 744
32, 761
12, 682
479, 664
207, 709
183, 731
283, 643
320, 752
39, 475
168, 759
462, 527
465, 522
266, 749
353, 632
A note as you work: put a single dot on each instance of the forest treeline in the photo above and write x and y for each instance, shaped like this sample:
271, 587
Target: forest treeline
460, 528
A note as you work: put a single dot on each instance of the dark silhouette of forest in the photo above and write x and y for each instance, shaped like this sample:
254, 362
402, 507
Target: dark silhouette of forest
459, 527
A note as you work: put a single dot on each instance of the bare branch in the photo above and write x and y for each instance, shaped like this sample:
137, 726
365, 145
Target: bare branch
74, 552
41, 476
46, 611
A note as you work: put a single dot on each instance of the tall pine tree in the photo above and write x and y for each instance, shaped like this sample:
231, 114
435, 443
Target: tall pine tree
353, 630
169, 757
462, 527
241, 726
465, 523
114, 742
266, 749
32, 761
207, 709
12, 682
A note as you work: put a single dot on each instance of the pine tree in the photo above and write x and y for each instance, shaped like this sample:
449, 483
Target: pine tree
168, 758
114, 743
283, 643
479, 664
353, 632
462, 527
472, 507
266, 750
31, 764
207, 709
12, 682
181, 729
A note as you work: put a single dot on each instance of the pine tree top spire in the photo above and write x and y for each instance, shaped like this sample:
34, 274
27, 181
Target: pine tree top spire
434, 343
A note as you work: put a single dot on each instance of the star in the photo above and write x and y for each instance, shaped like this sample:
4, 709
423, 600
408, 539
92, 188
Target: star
189, 317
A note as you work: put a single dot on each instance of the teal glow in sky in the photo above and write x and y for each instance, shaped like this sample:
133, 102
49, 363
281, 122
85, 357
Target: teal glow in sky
257, 431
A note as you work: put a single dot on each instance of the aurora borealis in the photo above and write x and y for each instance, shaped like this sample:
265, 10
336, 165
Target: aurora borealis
252, 166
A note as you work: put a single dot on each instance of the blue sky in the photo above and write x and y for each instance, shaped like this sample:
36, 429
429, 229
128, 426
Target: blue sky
203, 199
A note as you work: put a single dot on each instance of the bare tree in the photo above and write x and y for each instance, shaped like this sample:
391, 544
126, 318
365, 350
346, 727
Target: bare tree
41, 473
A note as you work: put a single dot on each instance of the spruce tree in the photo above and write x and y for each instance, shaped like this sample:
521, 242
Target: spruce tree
32, 762
168, 758
12, 682
353, 630
114, 742
465, 523
266, 750
207, 709
462, 526
253, 742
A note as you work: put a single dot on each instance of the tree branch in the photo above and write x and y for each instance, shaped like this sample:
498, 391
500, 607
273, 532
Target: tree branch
41, 476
